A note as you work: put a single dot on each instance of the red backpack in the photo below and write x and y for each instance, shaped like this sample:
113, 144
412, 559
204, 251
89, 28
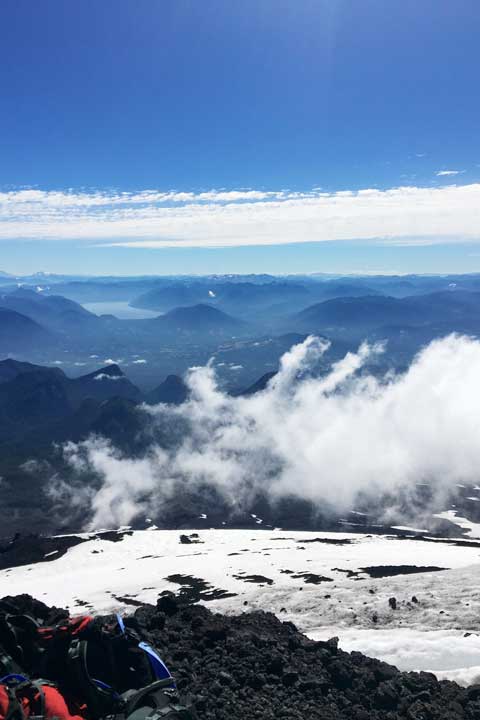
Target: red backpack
23, 699
95, 668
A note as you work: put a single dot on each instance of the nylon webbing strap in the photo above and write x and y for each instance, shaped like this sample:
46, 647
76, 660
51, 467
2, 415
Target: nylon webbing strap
15, 709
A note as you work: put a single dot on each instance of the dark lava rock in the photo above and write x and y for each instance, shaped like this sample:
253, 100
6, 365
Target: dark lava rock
327, 541
113, 535
194, 589
192, 539
255, 666
386, 696
257, 579
312, 578
167, 603
32, 548
29, 549
348, 573
380, 571
127, 600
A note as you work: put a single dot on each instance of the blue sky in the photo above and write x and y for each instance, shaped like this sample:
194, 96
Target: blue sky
169, 136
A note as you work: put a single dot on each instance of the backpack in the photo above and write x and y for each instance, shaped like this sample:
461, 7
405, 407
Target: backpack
101, 665
23, 699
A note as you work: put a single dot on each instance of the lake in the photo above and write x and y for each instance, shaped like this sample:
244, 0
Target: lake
121, 310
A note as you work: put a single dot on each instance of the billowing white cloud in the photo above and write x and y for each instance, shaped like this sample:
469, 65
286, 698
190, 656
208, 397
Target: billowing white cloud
324, 439
153, 219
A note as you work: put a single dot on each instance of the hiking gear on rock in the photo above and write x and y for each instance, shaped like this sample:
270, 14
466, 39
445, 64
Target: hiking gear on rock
18, 643
102, 660
152, 703
99, 663
23, 699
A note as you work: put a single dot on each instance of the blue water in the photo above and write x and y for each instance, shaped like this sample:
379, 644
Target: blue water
121, 310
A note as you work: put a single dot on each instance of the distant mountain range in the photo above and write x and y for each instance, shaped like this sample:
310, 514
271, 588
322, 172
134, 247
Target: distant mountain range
172, 390
19, 333
42, 404
239, 298
239, 322
198, 319
52, 311
243, 324
31, 320
31, 395
455, 310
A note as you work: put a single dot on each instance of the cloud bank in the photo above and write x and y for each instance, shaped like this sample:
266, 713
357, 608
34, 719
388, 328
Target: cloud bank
324, 439
220, 218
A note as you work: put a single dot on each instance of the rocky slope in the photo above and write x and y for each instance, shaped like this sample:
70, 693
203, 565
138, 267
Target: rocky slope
255, 666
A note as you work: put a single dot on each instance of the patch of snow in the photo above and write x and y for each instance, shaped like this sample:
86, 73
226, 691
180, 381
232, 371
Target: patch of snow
422, 633
106, 376
447, 654
406, 528
473, 529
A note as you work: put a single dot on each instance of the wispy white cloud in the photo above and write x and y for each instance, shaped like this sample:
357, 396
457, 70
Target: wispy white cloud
70, 198
106, 376
443, 173
154, 219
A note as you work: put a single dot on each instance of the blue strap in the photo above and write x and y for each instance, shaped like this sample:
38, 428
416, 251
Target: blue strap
121, 623
13, 676
159, 668
104, 686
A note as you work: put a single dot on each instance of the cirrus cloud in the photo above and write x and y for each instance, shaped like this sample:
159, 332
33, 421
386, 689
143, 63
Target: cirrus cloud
221, 218
446, 173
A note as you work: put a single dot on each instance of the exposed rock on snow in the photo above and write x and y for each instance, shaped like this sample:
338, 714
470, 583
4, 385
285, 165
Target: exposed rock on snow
434, 609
